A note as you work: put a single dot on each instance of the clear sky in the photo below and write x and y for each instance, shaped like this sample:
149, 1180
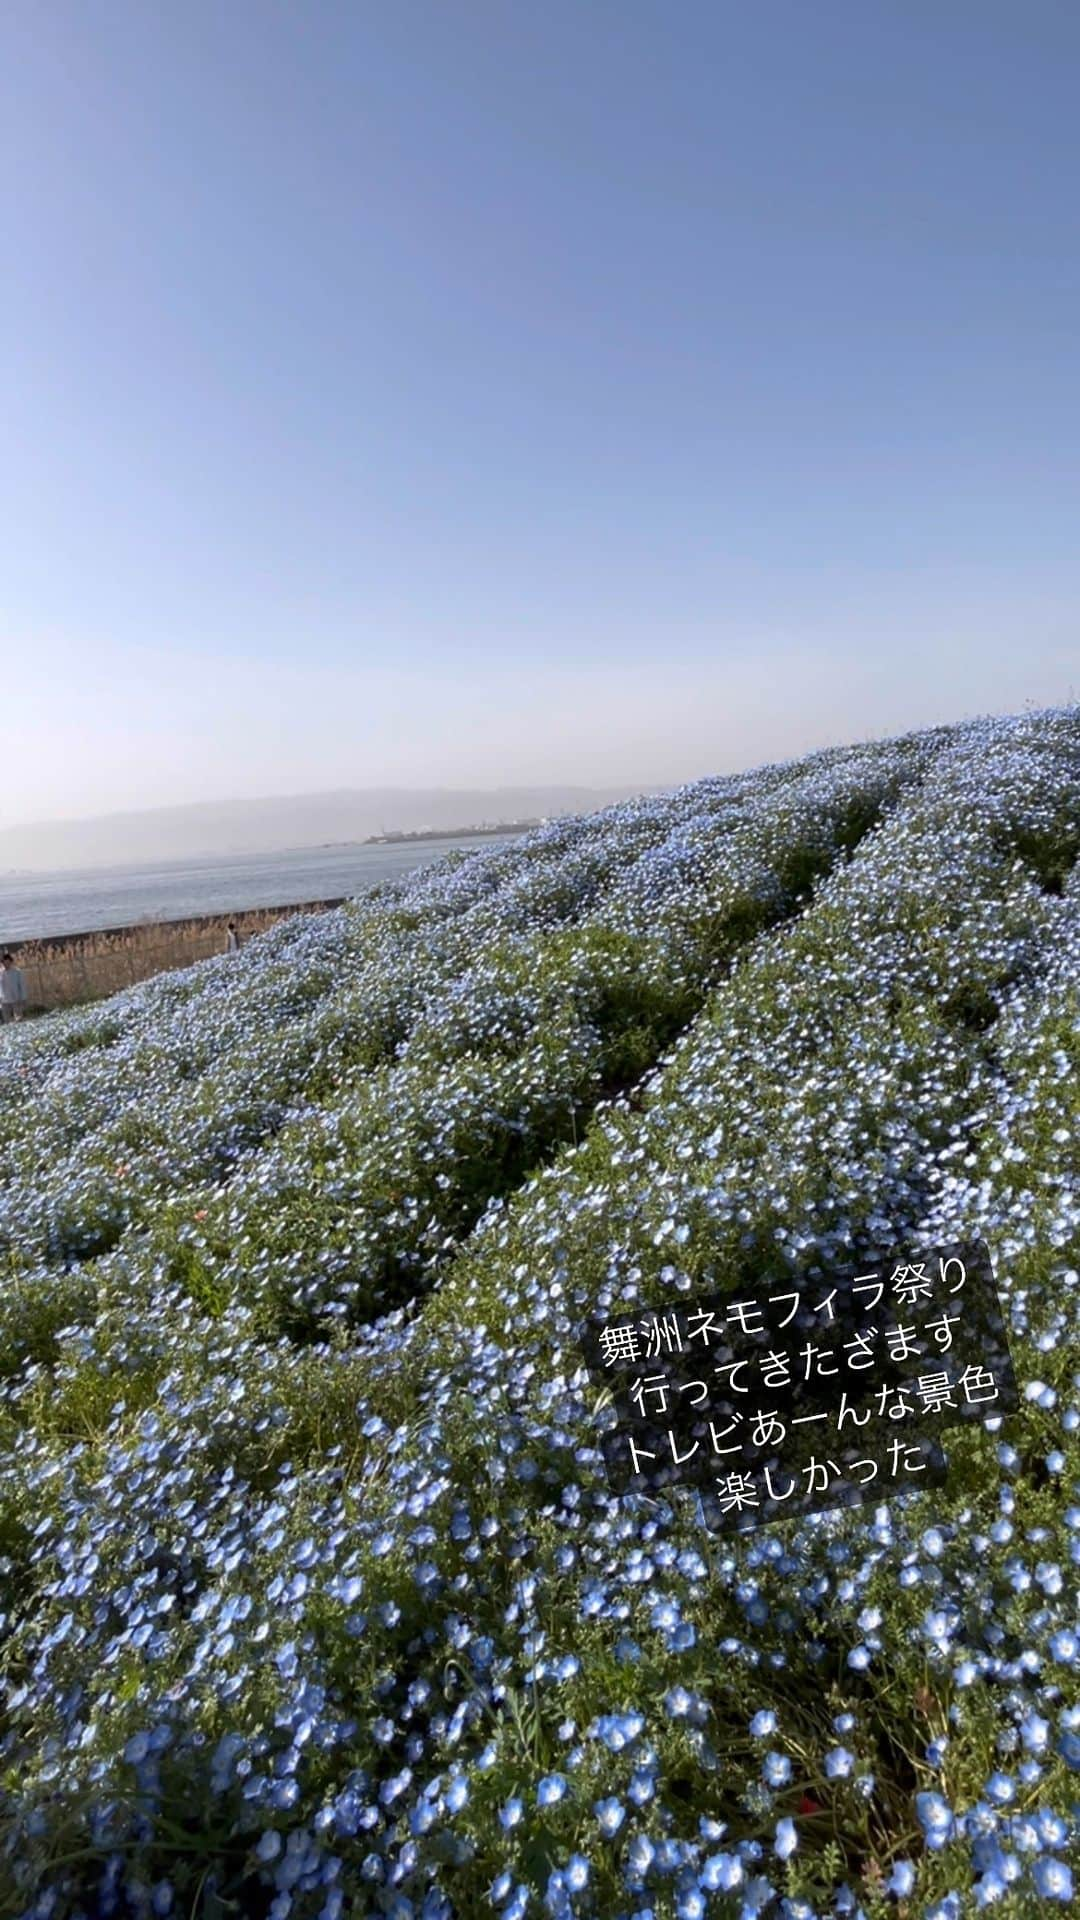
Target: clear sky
461, 393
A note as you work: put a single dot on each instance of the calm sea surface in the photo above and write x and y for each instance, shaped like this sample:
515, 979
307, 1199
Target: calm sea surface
77, 902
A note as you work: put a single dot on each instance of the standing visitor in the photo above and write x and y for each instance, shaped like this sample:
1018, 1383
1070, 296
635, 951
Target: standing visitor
232, 938
12, 989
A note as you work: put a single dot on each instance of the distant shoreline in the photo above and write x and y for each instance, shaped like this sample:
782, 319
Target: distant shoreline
211, 856
265, 827
495, 832
106, 900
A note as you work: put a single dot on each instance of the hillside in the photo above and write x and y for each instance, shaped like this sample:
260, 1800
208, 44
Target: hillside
315, 1598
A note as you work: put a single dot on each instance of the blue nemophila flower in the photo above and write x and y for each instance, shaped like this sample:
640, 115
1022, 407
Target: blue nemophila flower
556, 1896
617, 1730
610, 1814
935, 1818
901, 1880
989, 1887
690, 1904
511, 1813
757, 1895
576, 1873
839, 1763
640, 1855
1052, 1829
551, 1789
424, 1815
642, 1785
721, 1873
1053, 1879
763, 1723
1035, 1732
786, 1839
1025, 1836
776, 1769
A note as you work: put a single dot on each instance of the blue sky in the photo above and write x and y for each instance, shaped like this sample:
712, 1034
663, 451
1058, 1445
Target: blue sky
455, 394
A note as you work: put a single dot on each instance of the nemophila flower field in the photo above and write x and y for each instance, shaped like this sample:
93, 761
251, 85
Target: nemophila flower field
315, 1600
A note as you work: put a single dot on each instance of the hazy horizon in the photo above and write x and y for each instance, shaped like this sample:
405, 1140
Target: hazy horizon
271, 823
278, 823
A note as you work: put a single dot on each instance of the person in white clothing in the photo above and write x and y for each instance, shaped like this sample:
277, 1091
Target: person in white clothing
12, 989
232, 938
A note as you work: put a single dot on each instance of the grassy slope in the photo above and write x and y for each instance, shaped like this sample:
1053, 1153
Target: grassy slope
276, 1565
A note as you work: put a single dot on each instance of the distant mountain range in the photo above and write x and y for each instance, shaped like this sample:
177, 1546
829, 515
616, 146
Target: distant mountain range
274, 825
